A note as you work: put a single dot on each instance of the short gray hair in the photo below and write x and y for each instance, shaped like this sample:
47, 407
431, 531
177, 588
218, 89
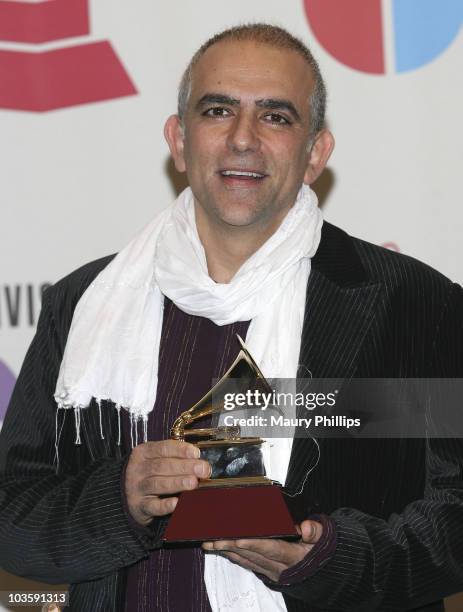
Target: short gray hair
269, 35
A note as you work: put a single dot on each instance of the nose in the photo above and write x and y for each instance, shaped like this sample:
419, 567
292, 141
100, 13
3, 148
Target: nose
243, 136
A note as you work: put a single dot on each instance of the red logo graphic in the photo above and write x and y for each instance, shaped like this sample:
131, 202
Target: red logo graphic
69, 76
358, 32
351, 31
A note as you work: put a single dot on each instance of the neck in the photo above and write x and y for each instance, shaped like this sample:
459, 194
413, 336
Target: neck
227, 247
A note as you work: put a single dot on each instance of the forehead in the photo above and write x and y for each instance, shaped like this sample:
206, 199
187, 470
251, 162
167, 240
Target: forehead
255, 70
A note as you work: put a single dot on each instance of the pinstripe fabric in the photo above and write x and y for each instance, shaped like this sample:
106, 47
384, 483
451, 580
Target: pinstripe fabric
397, 504
193, 352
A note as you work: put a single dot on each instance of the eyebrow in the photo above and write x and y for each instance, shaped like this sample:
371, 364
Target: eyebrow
277, 104
214, 98
270, 103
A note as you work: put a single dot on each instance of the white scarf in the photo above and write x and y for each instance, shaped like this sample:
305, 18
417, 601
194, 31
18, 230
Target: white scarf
112, 351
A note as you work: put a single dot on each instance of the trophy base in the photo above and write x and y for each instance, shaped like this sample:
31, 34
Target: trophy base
230, 513
238, 481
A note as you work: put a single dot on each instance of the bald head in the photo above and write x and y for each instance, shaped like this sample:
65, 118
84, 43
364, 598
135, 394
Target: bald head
272, 36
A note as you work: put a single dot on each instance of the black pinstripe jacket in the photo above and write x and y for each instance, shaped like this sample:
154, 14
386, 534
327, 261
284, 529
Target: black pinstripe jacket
397, 504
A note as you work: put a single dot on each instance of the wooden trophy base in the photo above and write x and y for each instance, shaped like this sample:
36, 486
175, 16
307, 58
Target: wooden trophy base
225, 513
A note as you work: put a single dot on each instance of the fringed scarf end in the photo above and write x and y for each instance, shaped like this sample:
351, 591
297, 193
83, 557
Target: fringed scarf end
98, 401
118, 408
77, 420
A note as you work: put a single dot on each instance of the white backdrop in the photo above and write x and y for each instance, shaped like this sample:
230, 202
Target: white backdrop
78, 182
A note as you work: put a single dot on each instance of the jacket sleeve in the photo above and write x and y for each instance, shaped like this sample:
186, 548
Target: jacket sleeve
415, 557
66, 526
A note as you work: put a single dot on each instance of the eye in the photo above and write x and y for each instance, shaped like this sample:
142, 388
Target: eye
216, 111
277, 119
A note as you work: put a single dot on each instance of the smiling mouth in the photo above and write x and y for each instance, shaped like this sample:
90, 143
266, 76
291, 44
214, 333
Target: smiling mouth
242, 175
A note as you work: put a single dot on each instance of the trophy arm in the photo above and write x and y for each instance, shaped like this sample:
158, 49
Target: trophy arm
244, 365
178, 428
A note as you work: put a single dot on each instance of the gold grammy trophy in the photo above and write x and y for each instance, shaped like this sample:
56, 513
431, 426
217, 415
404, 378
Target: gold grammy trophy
238, 500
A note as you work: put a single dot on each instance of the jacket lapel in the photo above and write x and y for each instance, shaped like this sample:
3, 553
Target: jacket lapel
340, 307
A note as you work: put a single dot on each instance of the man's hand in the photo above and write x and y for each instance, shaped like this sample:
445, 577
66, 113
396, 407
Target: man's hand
155, 471
269, 557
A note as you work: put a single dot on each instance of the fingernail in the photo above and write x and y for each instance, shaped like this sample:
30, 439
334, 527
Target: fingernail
173, 503
187, 483
201, 470
193, 452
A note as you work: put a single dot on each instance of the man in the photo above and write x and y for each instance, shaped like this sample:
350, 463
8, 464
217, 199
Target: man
240, 252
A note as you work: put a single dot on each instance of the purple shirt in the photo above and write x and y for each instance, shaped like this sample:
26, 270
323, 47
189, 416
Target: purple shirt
193, 352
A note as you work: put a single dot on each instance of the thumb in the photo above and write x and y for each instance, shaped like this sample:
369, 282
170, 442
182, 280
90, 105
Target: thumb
311, 532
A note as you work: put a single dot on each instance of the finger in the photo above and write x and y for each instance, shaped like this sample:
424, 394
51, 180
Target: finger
265, 563
155, 506
311, 531
250, 565
178, 467
169, 448
165, 485
274, 549
262, 561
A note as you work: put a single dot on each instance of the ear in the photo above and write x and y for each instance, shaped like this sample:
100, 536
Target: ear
173, 133
319, 155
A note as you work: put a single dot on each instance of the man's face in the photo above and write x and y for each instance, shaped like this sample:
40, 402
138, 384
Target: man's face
246, 131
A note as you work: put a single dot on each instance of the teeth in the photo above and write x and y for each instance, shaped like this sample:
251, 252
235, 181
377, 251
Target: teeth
240, 173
